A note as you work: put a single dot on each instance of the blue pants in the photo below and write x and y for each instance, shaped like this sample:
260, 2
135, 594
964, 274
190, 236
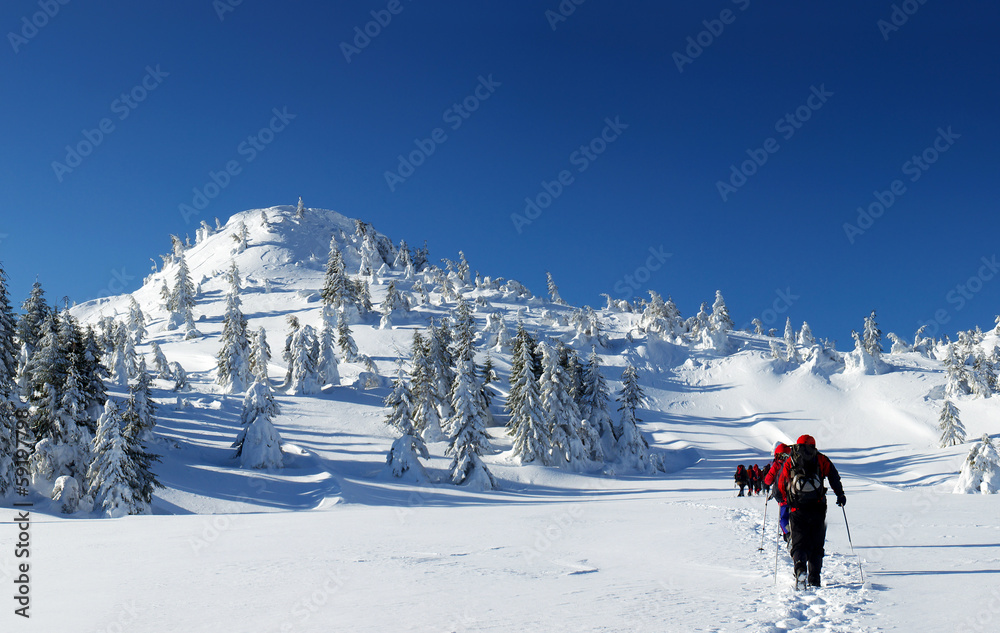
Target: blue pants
783, 517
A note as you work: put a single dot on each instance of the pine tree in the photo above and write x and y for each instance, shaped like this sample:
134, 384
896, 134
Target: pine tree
404, 455
260, 355
469, 438
464, 332
527, 425
115, 479
981, 471
241, 237
46, 372
561, 415
553, 290
872, 338
345, 340
633, 450
720, 321
329, 371
400, 404
300, 210
182, 300
595, 396
259, 445
160, 363
426, 418
952, 429
442, 365
136, 321
957, 373
233, 359
286, 352
93, 373
791, 352
139, 413
34, 312
489, 376
8, 342
305, 360
806, 338
393, 304
338, 289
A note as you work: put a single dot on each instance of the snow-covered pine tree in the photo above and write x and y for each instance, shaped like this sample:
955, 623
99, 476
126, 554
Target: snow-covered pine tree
719, 320
259, 445
114, 480
182, 299
363, 297
527, 426
952, 429
400, 403
791, 351
345, 340
981, 471
442, 364
370, 259
393, 304
300, 210
464, 274
34, 311
93, 373
136, 321
489, 376
426, 417
260, 355
594, 401
160, 364
233, 360
404, 455
553, 290
758, 327
338, 289
872, 337
286, 352
179, 376
46, 372
139, 410
305, 361
8, 371
241, 237
562, 416
469, 437
464, 332
957, 373
633, 450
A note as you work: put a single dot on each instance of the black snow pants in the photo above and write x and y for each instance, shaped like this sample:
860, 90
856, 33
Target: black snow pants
807, 524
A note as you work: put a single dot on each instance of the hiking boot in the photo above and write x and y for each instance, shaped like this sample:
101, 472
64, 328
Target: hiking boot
814, 571
814, 580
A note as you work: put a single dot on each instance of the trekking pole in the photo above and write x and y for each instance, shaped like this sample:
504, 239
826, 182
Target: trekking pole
763, 526
848, 526
776, 556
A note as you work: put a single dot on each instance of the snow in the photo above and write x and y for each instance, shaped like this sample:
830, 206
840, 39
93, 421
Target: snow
332, 541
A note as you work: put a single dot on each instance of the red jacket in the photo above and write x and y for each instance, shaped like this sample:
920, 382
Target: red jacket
775, 469
826, 471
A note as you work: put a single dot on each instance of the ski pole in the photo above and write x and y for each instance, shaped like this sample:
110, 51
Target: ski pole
848, 526
776, 556
763, 526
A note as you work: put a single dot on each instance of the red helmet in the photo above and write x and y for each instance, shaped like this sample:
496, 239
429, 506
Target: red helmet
781, 448
807, 439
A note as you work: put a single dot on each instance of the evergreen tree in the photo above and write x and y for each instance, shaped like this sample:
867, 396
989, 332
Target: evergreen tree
260, 355
159, 361
393, 303
329, 370
720, 321
305, 360
8, 373
182, 300
362, 297
34, 312
115, 479
426, 417
595, 396
442, 367
46, 372
958, 377
286, 353
872, 338
758, 327
633, 450
404, 456
489, 376
300, 210
93, 373
469, 438
952, 429
527, 425
345, 340
338, 289
241, 237
464, 332
553, 290
791, 352
400, 404
233, 359
561, 415
981, 471
259, 445
139, 413
136, 321
806, 338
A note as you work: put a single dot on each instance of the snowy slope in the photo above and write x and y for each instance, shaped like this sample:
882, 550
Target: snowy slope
331, 543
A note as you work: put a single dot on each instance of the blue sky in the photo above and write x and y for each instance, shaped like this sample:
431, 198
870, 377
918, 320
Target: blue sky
863, 98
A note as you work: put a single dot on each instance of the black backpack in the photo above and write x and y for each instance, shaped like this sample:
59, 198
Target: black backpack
805, 483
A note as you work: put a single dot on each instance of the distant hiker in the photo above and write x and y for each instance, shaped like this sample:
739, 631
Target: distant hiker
758, 479
801, 485
742, 478
764, 483
781, 451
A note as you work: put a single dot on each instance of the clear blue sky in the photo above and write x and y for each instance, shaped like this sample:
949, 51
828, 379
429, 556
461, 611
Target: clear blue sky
215, 82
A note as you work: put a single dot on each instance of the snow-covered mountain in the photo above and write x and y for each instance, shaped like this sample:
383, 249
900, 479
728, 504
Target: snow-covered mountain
345, 545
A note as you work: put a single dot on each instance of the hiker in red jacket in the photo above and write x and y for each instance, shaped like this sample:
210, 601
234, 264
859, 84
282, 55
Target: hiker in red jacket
801, 486
742, 479
771, 478
758, 479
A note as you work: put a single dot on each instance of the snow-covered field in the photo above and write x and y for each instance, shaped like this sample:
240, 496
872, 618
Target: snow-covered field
331, 543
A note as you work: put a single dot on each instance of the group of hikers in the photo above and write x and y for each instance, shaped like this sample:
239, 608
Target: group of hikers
796, 481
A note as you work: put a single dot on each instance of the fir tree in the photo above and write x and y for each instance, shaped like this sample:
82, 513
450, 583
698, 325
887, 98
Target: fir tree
469, 438
806, 338
8, 341
115, 479
241, 237
139, 413
633, 450
553, 290
720, 321
260, 355
426, 418
338, 289
34, 312
345, 340
300, 210
442, 367
464, 332
952, 429
136, 321
305, 360
400, 404
594, 400
489, 376
233, 359
527, 425
286, 353
872, 338
259, 445
328, 365
791, 352
182, 300
561, 414
159, 361
981, 471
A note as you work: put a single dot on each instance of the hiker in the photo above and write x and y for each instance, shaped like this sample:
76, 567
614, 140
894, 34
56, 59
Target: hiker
801, 486
764, 483
758, 479
781, 451
742, 479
